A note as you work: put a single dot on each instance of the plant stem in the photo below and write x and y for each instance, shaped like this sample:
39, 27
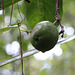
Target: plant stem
3, 10
11, 12
58, 17
21, 50
57, 10
28, 1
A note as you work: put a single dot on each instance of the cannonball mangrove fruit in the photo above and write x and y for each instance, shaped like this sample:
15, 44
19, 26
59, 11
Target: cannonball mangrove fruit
44, 36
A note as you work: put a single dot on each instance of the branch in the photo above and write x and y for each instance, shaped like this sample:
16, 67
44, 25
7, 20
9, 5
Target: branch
26, 54
29, 53
3, 11
11, 12
58, 19
64, 40
21, 50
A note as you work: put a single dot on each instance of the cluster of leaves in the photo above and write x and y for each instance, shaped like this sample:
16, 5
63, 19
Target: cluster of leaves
37, 11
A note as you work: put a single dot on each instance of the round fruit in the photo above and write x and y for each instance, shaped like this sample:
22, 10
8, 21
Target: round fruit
44, 36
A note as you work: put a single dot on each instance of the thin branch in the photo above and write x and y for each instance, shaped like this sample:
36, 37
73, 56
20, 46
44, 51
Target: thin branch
21, 50
26, 54
58, 19
64, 40
11, 12
19, 11
3, 10
29, 53
57, 10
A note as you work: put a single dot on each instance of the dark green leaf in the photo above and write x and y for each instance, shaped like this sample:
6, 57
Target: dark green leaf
40, 10
7, 3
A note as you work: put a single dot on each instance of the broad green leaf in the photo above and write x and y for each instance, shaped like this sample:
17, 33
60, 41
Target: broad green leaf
7, 28
41, 10
7, 3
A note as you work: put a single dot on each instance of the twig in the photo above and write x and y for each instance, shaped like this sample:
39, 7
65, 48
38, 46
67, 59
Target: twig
19, 10
11, 12
58, 17
21, 50
3, 10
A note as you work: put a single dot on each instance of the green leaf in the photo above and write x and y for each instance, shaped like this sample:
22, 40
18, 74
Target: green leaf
7, 3
41, 10
7, 28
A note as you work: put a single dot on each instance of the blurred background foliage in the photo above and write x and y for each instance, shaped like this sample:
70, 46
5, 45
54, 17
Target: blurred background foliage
60, 62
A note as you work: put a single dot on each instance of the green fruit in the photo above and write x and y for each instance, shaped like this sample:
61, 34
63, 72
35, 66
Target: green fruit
44, 36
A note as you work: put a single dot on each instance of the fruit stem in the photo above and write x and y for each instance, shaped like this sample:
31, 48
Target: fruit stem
27, 31
58, 18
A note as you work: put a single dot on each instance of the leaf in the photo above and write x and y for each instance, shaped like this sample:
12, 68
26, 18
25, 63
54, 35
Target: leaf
41, 10
7, 3
7, 28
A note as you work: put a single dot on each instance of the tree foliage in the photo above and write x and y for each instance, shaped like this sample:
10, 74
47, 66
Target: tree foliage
29, 14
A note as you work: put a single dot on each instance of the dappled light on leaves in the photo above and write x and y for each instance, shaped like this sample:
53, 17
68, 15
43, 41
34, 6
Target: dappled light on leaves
49, 54
1, 12
69, 31
20, 16
7, 19
13, 48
